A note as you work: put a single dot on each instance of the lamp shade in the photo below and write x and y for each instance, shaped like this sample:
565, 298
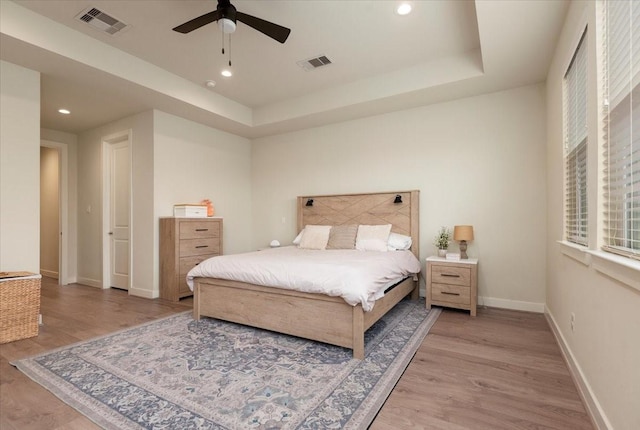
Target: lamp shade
463, 232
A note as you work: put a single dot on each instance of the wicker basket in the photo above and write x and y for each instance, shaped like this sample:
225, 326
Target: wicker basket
19, 305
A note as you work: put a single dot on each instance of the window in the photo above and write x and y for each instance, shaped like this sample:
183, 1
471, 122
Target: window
622, 127
575, 140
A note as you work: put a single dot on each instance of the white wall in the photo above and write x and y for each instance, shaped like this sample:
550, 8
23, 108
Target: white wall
195, 162
19, 168
90, 233
478, 161
605, 343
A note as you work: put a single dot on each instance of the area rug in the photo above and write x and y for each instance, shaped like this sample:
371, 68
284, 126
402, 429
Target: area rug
177, 373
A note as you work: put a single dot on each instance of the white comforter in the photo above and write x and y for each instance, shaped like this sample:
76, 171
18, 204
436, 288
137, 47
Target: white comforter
356, 276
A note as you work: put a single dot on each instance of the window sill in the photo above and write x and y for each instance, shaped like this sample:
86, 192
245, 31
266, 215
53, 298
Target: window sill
617, 267
578, 252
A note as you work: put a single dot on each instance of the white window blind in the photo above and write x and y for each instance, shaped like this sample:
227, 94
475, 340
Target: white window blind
622, 127
575, 137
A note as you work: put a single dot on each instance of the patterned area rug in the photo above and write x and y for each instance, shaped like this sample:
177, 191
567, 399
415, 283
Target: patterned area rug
177, 373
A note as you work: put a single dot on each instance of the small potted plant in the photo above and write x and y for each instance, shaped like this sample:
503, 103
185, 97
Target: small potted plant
442, 240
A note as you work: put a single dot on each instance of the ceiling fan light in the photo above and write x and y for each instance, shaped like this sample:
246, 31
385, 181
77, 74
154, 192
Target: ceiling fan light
226, 25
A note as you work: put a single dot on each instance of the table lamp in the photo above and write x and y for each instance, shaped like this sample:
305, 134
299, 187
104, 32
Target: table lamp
463, 233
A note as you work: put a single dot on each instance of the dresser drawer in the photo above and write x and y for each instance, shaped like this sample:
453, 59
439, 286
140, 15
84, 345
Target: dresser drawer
450, 294
199, 229
188, 263
451, 275
191, 247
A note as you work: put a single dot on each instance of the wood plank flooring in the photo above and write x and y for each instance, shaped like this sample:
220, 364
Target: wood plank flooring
500, 370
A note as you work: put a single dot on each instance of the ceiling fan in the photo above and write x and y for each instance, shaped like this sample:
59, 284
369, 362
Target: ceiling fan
227, 15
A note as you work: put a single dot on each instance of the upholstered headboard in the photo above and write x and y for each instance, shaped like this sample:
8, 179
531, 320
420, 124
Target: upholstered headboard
366, 208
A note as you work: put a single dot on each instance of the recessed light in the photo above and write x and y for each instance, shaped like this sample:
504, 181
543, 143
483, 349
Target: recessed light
64, 111
210, 84
403, 9
226, 73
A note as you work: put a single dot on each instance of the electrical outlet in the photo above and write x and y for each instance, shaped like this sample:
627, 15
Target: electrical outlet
573, 321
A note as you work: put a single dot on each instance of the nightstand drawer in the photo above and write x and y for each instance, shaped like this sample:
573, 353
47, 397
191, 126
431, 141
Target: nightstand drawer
451, 275
450, 294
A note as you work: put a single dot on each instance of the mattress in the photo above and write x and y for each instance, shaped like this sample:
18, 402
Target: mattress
359, 277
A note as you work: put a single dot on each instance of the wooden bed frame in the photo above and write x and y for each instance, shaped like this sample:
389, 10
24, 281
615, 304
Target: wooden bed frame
317, 316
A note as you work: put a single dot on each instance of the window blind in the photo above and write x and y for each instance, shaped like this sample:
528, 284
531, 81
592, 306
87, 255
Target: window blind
621, 86
575, 138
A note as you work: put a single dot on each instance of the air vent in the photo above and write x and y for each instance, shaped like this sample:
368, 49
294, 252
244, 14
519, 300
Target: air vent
314, 63
101, 21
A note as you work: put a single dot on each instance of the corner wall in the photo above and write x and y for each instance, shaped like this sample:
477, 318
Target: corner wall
19, 168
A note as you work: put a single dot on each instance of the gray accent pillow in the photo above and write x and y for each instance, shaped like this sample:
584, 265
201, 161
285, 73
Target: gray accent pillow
343, 237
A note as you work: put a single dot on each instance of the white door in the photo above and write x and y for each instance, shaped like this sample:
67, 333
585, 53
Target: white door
119, 201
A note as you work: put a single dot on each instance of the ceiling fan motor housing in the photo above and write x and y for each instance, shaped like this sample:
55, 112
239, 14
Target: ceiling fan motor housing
227, 21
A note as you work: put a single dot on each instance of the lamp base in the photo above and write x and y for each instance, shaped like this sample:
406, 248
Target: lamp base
463, 250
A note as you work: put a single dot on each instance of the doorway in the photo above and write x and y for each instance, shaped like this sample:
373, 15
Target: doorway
117, 211
53, 210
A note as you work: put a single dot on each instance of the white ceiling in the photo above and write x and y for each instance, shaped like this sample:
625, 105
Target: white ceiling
381, 61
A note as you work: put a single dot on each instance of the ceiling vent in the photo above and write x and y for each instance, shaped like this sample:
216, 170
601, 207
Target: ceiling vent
101, 21
314, 63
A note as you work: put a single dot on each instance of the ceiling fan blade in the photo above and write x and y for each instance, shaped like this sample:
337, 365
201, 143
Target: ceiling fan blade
198, 22
270, 29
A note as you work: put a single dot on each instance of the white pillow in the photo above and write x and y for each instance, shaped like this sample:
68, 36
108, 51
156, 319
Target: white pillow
315, 237
399, 242
373, 237
298, 238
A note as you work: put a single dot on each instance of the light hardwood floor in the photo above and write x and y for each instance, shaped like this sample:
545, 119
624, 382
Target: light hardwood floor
500, 370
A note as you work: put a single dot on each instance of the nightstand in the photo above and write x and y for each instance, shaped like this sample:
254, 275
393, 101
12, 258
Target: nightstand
453, 284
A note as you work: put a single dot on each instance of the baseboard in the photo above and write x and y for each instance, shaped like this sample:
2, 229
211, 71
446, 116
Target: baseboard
597, 415
49, 273
89, 282
515, 305
139, 292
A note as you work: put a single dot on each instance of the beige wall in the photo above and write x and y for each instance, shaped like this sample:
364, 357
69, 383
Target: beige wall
49, 211
604, 344
19, 168
478, 161
194, 162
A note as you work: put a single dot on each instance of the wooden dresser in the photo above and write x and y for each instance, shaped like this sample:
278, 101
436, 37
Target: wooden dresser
184, 243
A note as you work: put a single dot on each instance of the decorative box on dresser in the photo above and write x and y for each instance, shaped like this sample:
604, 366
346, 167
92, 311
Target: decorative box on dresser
184, 243
452, 283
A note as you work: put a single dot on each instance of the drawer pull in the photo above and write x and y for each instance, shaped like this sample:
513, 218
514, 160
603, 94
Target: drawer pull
202, 229
202, 246
450, 275
450, 294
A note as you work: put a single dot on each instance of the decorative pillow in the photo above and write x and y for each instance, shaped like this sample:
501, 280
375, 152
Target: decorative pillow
298, 238
373, 237
315, 237
342, 237
399, 242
